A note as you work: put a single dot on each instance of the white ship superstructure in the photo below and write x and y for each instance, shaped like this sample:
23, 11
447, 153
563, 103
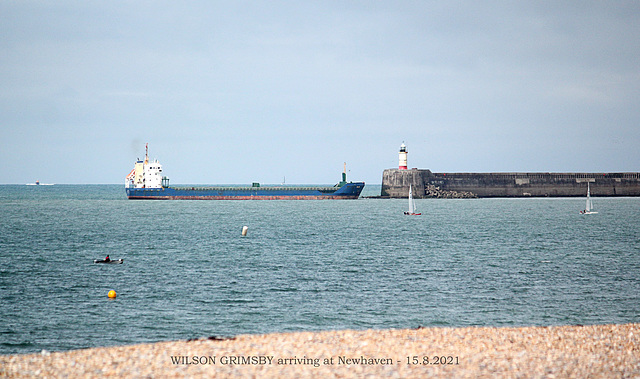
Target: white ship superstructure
145, 174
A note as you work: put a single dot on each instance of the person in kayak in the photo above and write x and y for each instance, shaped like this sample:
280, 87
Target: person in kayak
107, 259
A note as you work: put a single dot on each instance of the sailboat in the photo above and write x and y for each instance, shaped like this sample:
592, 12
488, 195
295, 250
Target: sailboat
588, 208
412, 205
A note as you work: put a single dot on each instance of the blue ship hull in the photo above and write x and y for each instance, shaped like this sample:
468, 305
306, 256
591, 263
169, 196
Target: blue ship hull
347, 191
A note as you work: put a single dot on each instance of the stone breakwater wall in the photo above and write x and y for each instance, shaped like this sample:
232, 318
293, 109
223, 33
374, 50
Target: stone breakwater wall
425, 184
431, 191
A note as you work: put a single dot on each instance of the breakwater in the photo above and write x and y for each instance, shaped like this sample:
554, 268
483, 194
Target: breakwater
424, 183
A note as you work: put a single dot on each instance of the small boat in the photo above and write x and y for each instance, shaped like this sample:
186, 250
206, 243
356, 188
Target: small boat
412, 205
112, 261
589, 206
37, 183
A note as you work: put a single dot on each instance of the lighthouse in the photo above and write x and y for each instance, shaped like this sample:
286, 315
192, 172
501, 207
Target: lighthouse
402, 157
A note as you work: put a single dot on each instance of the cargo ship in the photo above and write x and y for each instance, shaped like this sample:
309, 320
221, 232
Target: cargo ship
145, 182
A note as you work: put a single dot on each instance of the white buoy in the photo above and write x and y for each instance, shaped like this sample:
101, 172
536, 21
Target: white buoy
244, 230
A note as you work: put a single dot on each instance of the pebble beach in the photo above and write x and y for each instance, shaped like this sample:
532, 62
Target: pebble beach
594, 351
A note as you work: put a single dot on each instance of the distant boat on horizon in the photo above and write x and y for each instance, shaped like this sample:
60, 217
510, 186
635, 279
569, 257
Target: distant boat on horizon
37, 183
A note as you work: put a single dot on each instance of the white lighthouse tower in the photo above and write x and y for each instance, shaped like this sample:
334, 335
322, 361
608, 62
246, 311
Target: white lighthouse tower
402, 157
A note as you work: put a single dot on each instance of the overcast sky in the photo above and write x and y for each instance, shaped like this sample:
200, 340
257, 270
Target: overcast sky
242, 91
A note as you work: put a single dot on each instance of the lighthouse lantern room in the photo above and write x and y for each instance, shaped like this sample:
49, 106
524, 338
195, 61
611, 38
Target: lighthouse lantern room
402, 156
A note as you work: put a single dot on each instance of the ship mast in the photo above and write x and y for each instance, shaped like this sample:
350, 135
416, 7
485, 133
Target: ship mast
146, 153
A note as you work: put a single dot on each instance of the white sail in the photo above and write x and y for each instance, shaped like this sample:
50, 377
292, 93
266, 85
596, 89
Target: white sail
588, 209
411, 206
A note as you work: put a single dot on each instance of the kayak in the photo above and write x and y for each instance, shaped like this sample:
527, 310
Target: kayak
109, 262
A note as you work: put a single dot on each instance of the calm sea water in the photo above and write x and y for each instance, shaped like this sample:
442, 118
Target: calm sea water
304, 265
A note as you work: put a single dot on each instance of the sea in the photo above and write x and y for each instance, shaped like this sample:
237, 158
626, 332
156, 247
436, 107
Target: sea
303, 266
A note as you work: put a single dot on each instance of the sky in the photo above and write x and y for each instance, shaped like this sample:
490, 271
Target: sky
234, 92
